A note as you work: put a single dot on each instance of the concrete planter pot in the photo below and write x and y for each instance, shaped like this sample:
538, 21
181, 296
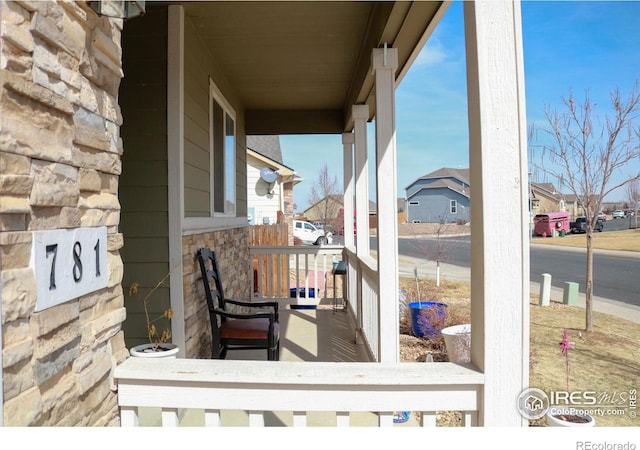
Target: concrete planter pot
457, 340
558, 416
166, 350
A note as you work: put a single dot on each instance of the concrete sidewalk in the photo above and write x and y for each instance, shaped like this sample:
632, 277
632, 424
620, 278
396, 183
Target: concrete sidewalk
427, 269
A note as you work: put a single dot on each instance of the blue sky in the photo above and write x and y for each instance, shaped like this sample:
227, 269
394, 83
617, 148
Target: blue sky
570, 46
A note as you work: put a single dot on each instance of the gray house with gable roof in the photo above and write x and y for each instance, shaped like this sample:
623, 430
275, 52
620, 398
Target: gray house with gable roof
439, 196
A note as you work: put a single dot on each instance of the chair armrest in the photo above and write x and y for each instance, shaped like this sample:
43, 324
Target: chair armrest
252, 304
265, 315
273, 305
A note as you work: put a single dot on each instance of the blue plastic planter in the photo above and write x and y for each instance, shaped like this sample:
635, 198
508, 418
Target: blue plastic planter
427, 318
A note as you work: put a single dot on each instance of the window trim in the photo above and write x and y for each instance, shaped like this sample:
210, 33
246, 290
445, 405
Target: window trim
453, 206
215, 95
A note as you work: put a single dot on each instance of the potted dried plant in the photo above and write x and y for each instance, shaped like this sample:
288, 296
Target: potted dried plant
158, 345
558, 416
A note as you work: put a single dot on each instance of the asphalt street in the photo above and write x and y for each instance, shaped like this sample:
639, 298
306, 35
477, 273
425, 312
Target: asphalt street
616, 285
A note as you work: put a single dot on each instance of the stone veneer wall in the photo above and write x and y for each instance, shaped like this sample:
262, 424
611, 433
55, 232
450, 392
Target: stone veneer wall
232, 252
59, 166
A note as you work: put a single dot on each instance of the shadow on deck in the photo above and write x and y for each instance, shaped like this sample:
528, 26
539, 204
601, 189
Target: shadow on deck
312, 335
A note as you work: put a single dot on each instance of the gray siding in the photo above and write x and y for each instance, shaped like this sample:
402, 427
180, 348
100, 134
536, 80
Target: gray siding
143, 184
434, 206
196, 127
198, 67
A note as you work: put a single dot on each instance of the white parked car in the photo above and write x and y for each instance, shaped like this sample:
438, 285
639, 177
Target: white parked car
617, 214
309, 234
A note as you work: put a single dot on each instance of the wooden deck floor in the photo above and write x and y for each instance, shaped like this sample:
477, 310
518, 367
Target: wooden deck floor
312, 335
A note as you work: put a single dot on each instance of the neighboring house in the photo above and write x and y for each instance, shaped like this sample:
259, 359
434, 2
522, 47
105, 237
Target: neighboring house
573, 206
546, 198
441, 196
131, 136
325, 210
269, 182
330, 209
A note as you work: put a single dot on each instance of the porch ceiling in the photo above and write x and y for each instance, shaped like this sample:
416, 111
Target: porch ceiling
299, 66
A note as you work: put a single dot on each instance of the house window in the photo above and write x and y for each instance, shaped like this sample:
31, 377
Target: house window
453, 206
223, 152
414, 203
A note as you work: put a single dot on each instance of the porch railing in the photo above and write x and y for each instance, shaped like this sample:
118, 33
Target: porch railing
205, 392
217, 392
278, 269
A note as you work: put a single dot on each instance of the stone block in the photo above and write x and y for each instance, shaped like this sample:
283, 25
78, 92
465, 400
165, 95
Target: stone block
45, 218
17, 35
14, 204
51, 363
17, 352
92, 374
23, 410
15, 250
54, 184
51, 319
18, 293
70, 217
13, 222
18, 185
102, 200
90, 180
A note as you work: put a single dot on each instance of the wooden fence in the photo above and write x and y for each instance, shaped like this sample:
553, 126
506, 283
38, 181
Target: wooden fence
272, 235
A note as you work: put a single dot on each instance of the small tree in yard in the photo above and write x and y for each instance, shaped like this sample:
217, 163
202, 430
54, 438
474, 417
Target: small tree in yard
322, 194
588, 157
633, 196
438, 248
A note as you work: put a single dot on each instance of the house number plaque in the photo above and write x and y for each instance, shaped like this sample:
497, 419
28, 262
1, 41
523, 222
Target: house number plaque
68, 263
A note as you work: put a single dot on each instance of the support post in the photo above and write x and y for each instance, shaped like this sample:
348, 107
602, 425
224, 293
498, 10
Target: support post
385, 63
360, 114
498, 172
348, 140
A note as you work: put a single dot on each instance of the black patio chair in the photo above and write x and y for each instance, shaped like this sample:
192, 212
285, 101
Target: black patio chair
258, 329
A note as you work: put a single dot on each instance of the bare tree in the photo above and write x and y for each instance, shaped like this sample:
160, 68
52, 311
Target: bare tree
323, 196
633, 197
588, 156
437, 249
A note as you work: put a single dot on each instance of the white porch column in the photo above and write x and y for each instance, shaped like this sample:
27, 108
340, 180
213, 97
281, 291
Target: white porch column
347, 143
360, 115
499, 234
175, 159
385, 63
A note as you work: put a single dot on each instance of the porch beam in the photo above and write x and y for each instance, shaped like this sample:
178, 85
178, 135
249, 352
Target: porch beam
294, 122
385, 63
499, 233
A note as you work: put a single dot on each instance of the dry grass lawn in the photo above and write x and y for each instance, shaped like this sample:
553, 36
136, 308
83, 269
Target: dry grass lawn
628, 240
606, 360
